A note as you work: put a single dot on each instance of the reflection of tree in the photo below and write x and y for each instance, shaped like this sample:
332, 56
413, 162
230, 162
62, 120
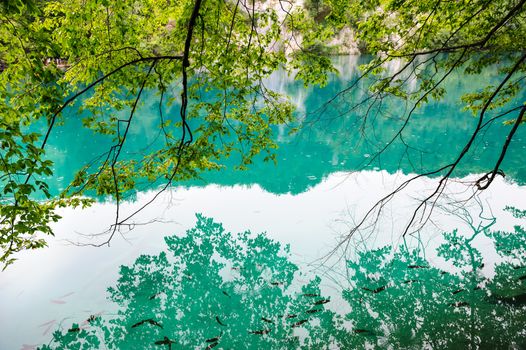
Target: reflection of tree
217, 289
235, 291
401, 301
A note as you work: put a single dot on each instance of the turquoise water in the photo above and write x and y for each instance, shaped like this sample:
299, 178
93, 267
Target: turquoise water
212, 288
253, 271
333, 137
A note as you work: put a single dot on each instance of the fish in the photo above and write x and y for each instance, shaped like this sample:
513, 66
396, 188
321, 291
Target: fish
260, 332
214, 339
299, 323
155, 295
266, 320
225, 293
291, 316
67, 295
211, 346
410, 281
28, 347
377, 290
47, 323
277, 283
165, 341
322, 301
458, 291
417, 267
311, 295
219, 321
91, 319
48, 326
313, 311
363, 331
150, 321
74, 329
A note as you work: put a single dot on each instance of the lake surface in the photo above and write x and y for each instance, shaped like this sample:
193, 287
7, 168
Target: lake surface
194, 278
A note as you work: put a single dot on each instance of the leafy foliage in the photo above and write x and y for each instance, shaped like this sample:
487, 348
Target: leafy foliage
97, 58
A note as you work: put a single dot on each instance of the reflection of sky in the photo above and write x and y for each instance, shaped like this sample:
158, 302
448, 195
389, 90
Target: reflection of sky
36, 290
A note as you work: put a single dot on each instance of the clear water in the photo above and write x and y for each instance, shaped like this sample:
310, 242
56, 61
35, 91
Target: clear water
201, 281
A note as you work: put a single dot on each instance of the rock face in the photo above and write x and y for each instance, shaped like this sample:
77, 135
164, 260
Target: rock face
343, 43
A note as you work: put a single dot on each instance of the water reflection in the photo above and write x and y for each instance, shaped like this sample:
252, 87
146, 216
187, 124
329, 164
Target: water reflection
213, 288
332, 138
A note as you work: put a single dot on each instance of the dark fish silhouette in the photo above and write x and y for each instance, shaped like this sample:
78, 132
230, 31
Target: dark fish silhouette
363, 331
299, 323
213, 340
260, 332
522, 278
155, 295
417, 267
410, 281
211, 346
225, 293
313, 311
377, 290
458, 291
165, 341
311, 295
277, 283
150, 321
322, 301
266, 320
74, 329
219, 321
518, 267
291, 316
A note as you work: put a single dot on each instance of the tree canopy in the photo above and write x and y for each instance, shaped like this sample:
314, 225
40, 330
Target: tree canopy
430, 40
210, 58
